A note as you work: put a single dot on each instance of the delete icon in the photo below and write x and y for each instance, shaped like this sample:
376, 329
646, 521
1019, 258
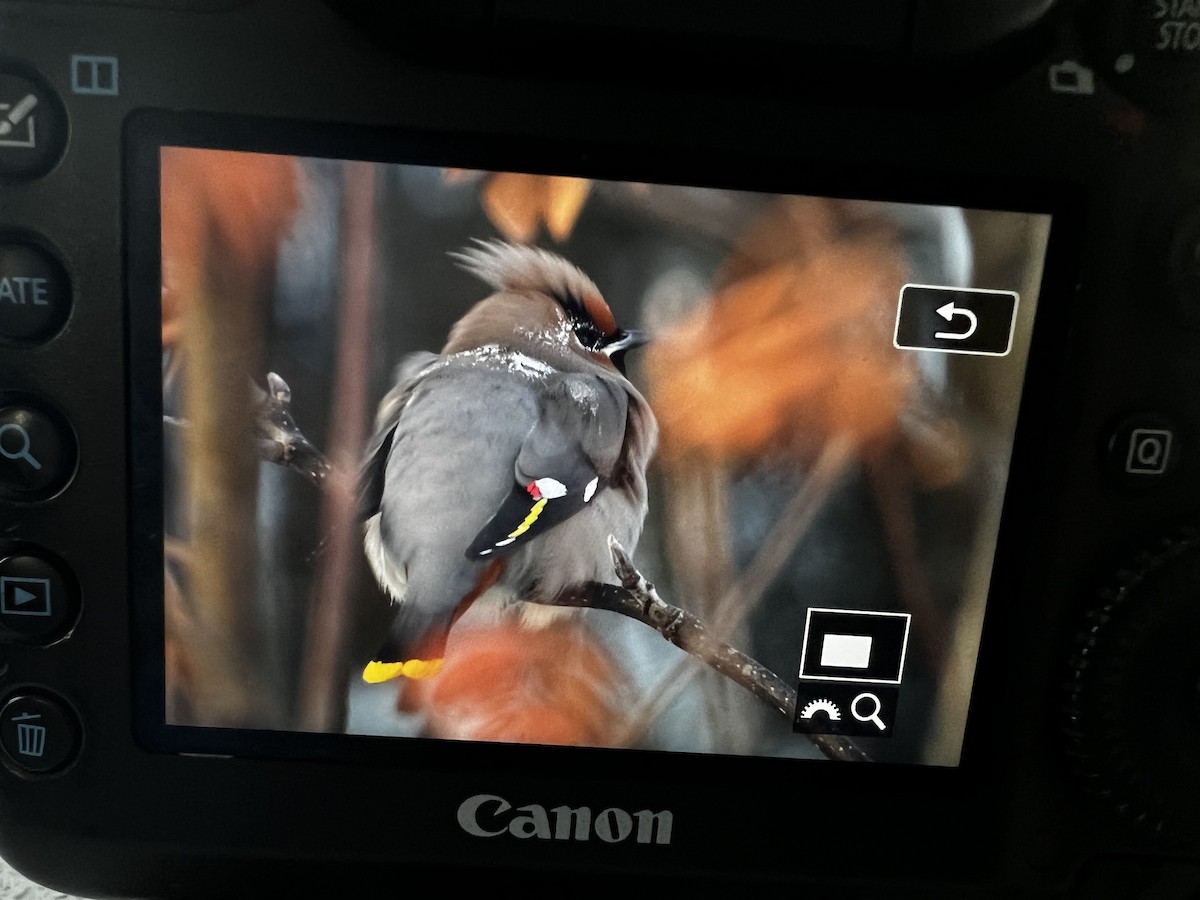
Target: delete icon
846, 651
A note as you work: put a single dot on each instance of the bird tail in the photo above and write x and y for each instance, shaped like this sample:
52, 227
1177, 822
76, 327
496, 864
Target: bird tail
416, 642
414, 648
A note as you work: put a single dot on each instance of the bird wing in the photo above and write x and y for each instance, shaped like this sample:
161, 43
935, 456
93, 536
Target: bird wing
564, 461
370, 479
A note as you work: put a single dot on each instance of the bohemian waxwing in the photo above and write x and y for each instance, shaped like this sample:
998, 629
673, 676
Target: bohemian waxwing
506, 460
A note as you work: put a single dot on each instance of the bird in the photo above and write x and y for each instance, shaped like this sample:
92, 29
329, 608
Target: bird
504, 463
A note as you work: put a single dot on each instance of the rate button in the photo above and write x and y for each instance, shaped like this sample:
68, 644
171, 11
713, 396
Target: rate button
35, 293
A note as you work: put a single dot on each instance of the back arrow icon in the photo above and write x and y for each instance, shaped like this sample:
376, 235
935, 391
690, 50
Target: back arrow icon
948, 312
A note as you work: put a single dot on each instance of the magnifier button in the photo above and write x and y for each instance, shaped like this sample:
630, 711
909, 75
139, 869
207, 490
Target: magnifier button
37, 453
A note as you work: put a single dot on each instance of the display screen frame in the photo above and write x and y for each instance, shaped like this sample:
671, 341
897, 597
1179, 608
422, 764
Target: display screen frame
148, 132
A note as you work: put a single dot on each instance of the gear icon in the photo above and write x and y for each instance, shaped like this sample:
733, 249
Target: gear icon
826, 706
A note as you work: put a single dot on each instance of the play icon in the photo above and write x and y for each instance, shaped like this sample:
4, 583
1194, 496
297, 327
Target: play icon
21, 596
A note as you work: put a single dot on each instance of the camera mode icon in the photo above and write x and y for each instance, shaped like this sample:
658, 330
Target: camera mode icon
1071, 77
851, 666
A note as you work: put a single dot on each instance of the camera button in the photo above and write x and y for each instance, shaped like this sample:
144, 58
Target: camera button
37, 453
35, 293
33, 126
39, 598
39, 733
1143, 449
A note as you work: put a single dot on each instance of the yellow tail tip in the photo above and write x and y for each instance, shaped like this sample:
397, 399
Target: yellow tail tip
377, 672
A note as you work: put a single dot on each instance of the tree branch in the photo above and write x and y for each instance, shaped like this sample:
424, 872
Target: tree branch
280, 440
638, 599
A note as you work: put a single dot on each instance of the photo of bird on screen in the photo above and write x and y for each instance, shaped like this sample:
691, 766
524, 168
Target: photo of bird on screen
499, 456
526, 423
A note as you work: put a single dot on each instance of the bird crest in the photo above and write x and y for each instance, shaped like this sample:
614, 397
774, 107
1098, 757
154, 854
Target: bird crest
518, 267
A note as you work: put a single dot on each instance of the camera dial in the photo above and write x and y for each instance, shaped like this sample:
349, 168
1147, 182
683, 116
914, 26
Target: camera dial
1132, 706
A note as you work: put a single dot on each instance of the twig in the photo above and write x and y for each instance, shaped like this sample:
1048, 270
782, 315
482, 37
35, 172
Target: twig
638, 599
279, 439
736, 603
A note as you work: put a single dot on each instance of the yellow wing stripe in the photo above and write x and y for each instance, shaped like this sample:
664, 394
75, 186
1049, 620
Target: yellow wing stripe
529, 519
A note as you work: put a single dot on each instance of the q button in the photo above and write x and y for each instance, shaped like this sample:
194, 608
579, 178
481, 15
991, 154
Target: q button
1143, 450
37, 453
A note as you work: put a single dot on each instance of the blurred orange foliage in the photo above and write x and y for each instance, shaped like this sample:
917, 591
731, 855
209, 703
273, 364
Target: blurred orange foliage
235, 206
512, 683
794, 348
518, 204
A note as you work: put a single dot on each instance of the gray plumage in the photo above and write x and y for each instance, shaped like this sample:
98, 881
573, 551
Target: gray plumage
514, 399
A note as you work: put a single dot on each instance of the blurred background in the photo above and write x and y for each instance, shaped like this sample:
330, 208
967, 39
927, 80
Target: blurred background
804, 460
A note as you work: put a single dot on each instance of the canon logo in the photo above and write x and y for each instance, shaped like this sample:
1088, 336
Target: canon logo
486, 815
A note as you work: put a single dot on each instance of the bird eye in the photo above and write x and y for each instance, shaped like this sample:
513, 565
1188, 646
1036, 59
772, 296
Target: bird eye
588, 334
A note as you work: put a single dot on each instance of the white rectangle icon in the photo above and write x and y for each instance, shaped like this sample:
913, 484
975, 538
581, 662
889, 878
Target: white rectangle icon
864, 663
846, 651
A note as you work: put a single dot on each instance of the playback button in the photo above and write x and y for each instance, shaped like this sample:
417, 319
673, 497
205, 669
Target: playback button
39, 599
39, 733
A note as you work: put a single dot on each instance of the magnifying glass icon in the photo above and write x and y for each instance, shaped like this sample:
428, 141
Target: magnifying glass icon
873, 715
21, 444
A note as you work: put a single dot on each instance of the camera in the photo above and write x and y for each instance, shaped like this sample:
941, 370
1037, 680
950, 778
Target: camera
528, 445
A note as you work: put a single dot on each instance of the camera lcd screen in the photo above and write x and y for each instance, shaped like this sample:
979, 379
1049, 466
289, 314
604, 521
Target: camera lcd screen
501, 456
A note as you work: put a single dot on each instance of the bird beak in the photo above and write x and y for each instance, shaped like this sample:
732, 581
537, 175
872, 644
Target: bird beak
625, 339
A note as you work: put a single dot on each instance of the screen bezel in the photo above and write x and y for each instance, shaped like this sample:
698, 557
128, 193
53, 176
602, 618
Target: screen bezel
148, 132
